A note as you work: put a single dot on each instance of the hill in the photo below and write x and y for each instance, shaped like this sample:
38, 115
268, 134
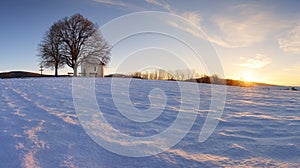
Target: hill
24, 74
18, 74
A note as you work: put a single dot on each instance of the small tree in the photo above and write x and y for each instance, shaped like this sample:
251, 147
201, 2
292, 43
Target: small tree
50, 50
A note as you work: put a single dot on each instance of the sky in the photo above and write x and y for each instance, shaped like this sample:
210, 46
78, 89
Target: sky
253, 40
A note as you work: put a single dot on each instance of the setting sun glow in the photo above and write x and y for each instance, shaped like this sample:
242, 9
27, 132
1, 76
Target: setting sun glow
249, 77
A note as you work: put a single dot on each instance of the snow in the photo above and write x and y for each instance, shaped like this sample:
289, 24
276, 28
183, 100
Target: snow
39, 126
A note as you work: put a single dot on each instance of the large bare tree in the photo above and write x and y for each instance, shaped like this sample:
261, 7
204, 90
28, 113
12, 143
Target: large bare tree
76, 38
50, 50
81, 38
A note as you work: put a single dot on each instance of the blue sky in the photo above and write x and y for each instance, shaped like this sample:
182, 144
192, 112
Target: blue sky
255, 40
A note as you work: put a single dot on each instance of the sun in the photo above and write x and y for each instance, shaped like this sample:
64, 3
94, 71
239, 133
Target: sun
249, 77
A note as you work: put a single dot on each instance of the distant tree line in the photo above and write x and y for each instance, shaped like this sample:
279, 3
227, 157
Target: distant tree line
188, 76
165, 75
69, 40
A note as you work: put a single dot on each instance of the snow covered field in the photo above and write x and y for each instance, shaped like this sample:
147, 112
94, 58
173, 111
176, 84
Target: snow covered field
39, 127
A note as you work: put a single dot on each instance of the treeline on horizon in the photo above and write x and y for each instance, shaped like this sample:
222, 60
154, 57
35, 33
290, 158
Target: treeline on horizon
186, 76
214, 79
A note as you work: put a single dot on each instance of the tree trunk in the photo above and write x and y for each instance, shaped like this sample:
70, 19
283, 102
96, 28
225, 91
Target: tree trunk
56, 70
75, 70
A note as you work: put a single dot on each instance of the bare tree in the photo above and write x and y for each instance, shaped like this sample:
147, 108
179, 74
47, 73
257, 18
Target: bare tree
50, 50
81, 38
145, 75
179, 75
69, 40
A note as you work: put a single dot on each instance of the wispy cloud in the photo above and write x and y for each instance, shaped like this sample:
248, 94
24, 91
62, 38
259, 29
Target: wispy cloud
290, 43
193, 17
120, 3
189, 28
160, 3
242, 27
112, 2
192, 25
256, 62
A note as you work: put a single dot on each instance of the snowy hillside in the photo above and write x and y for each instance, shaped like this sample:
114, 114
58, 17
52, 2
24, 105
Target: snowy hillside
40, 128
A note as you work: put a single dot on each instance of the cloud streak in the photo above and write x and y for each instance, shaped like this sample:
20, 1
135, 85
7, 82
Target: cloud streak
290, 43
120, 4
256, 62
112, 2
192, 25
193, 17
242, 27
162, 4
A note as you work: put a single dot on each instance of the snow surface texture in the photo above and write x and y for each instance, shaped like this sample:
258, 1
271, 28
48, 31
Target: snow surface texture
39, 127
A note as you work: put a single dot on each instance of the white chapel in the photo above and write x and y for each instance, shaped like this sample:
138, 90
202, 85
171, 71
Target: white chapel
92, 67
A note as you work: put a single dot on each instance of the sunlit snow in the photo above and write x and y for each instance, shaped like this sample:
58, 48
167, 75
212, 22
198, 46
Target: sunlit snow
40, 128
